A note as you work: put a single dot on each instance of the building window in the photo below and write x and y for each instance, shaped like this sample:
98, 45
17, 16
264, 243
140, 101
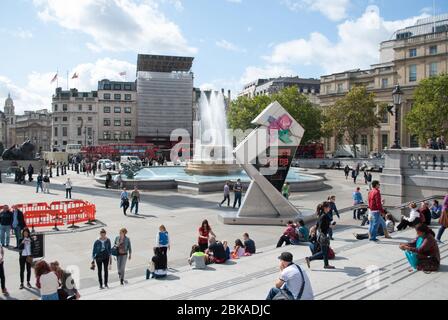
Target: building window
79, 119
106, 135
384, 140
433, 50
414, 142
89, 131
385, 117
80, 142
117, 123
128, 135
412, 52
384, 83
413, 73
64, 131
433, 69
55, 132
327, 88
106, 109
56, 119
127, 97
106, 96
106, 122
64, 107
55, 107
117, 96
107, 86
64, 143
64, 119
90, 107
127, 123
340, 87
364, 140
127, 87
79, 132
127, 110
117, 109
89, 119
117, 86
80, 107
117, 135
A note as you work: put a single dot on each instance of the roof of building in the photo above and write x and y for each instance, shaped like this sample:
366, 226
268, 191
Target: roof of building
8, 101
424, 26
117, 85
156, 63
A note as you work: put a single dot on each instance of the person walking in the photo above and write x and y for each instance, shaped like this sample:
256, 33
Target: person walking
24, 175
18, 224
369, 180
2, 273
205, 231
30, 173
46, 183
47, 281
322, 226
346, 171
108, 179
6, 219
94, 169
124, 198
285, 190
123, 250
357, 200
101, 254
39, 183
163, 240
334, 210
226, 194
68, 188
25, 257
443, 220
354, 175
238, 193
135, 199
293, 283
376, 211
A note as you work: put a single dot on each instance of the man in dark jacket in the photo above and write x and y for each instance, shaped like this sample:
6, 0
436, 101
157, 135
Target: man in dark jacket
30, 173
5, 225
18, 224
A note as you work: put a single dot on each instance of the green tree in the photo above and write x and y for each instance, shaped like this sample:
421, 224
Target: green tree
352, 115
244, 110
429, 115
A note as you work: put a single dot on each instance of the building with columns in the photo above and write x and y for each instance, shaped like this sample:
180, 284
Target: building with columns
32, 125
413, 54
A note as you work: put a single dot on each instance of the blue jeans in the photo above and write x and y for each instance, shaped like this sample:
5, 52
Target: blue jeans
39, 185
440, 233
238, 196
376, 222
49, 297
134, 204
5, 235
274, 291
18, 234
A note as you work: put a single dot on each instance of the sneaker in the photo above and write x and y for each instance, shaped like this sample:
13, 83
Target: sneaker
329, 267
106, 286
220, 205
101, 287
5, 293
21, 286
122, 282
29, 285
375, 240
308, 262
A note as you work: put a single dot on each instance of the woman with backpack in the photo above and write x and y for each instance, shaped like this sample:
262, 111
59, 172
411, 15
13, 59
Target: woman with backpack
163, 239
68, 290
122, 250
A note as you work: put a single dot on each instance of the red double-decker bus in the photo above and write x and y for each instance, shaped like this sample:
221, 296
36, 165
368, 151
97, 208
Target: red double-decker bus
311, 151
115, 151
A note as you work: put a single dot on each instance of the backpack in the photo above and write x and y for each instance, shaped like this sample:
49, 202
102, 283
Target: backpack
163, 238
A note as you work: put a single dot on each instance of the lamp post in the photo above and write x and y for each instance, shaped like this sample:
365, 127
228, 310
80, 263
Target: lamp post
397, 96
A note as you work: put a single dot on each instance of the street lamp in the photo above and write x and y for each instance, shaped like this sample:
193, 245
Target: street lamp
397, 96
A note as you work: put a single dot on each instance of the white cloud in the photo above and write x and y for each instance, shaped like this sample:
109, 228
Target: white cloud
226, 45
37, 93
333, 9
18, 33
271, 71
118, 25
357, 45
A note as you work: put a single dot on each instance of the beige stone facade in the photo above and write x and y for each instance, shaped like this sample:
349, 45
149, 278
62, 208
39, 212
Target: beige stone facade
117, 112
416, 53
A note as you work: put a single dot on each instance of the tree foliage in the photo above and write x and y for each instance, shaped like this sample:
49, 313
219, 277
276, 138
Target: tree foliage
244, 110
352, 115
429, 115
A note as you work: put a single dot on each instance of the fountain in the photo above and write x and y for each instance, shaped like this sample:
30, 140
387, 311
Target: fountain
213, 147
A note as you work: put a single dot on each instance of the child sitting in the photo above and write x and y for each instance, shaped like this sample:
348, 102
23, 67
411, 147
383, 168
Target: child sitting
238, 249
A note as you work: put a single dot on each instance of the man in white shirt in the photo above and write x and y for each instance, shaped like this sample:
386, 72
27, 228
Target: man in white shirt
292, 279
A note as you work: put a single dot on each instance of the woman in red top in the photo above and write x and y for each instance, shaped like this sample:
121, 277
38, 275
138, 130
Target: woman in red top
204, 234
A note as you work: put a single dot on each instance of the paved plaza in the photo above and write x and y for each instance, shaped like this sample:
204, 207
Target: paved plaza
359, 264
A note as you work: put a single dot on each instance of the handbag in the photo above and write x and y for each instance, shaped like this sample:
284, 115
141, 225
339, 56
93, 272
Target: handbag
29, 259
114, 251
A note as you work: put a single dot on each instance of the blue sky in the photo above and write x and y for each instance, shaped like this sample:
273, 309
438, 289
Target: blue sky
233, 41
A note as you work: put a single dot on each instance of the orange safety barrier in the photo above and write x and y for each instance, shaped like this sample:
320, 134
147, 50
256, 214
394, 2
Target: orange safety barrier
58, 213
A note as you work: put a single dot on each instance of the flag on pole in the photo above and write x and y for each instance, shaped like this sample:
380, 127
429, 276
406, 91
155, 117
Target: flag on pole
75, 76
123, 73
54, 78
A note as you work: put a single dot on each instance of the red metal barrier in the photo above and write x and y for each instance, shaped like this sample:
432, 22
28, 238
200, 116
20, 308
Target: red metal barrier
58, 213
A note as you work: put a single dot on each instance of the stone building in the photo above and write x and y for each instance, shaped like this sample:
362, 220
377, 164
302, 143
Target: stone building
75, 118
309, 87
117, 112
32, 125
413, 54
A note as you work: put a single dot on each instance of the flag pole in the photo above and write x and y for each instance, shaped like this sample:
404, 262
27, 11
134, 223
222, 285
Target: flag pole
57, 78
67, 82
